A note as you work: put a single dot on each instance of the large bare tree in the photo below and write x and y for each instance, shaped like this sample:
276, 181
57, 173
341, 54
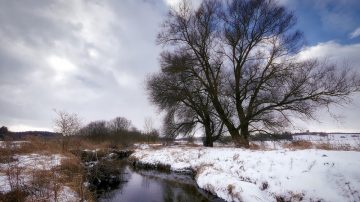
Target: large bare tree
245, 58
185, 101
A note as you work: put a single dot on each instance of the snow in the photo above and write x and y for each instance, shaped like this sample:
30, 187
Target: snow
236, 174
12, 144
37, 161
4, 185
67, 194
28, 163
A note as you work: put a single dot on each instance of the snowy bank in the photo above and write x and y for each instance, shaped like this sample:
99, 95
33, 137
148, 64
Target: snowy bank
247, 175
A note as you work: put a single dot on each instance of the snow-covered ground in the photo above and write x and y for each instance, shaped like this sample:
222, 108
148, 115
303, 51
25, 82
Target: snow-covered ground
247, 175
28, 163
12, 144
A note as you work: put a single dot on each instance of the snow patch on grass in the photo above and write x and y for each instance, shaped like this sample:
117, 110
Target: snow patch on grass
27, 165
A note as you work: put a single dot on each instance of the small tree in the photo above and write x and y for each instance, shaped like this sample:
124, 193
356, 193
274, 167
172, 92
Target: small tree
149, 129
67, 124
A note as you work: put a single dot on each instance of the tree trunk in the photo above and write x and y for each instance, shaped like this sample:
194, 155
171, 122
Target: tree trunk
238, 139
244, 132
208, 140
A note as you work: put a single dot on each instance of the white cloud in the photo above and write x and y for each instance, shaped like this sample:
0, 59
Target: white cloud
355, 33
172, 3
349, 113
175, 3
62, 66
335, 52
88, 57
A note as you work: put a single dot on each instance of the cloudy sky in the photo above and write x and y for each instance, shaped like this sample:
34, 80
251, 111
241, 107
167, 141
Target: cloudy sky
91, 57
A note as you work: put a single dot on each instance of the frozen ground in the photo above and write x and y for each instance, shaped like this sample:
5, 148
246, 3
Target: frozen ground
248, 175
29, 163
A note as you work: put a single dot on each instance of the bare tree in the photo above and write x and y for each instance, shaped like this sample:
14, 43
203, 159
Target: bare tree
96, 128
245, 58
66, 123
148, 125
149, 130
185, 101
119, 124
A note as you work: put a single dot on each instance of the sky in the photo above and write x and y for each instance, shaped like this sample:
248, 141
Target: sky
91, 57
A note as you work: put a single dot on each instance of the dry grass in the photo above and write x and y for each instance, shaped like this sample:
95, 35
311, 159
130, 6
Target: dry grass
301, 144
73, 176
291, 197
43, 185
254, 146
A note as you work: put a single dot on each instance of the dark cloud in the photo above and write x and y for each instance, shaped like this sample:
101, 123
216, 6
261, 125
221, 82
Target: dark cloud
88, 57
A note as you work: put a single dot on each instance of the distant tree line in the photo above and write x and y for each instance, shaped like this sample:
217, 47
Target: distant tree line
6, 134
118, 130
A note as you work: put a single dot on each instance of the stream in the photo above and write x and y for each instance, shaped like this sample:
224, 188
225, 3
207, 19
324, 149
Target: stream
138, 185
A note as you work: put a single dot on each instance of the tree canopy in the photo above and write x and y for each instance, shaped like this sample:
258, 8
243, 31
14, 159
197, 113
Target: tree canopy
240, 59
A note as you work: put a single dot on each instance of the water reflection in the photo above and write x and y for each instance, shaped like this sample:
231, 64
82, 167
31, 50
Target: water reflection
157, 186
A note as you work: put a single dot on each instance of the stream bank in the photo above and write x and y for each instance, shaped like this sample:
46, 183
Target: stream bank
113, 177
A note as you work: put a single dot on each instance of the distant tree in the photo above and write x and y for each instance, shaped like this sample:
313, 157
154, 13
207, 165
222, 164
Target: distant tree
119, 124
149, 129
148, 125
66, 123
4, 130
245, 58
96, 128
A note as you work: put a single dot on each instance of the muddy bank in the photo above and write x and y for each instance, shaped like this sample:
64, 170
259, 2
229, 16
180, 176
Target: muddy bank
104, 169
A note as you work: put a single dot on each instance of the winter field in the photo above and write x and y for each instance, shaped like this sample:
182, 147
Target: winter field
308, 168
38, 169
294, 171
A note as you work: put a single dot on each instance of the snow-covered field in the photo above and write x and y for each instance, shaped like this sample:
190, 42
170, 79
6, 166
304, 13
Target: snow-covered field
253, 175
26, 165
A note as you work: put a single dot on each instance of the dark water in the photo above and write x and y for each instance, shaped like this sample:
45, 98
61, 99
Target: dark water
141, 186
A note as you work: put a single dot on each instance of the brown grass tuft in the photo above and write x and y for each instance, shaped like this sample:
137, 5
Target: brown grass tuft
300, 144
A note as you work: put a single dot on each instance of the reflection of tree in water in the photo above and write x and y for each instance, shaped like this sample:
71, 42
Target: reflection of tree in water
173, 191
145, 182
158, 186
108, 176
176, 187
